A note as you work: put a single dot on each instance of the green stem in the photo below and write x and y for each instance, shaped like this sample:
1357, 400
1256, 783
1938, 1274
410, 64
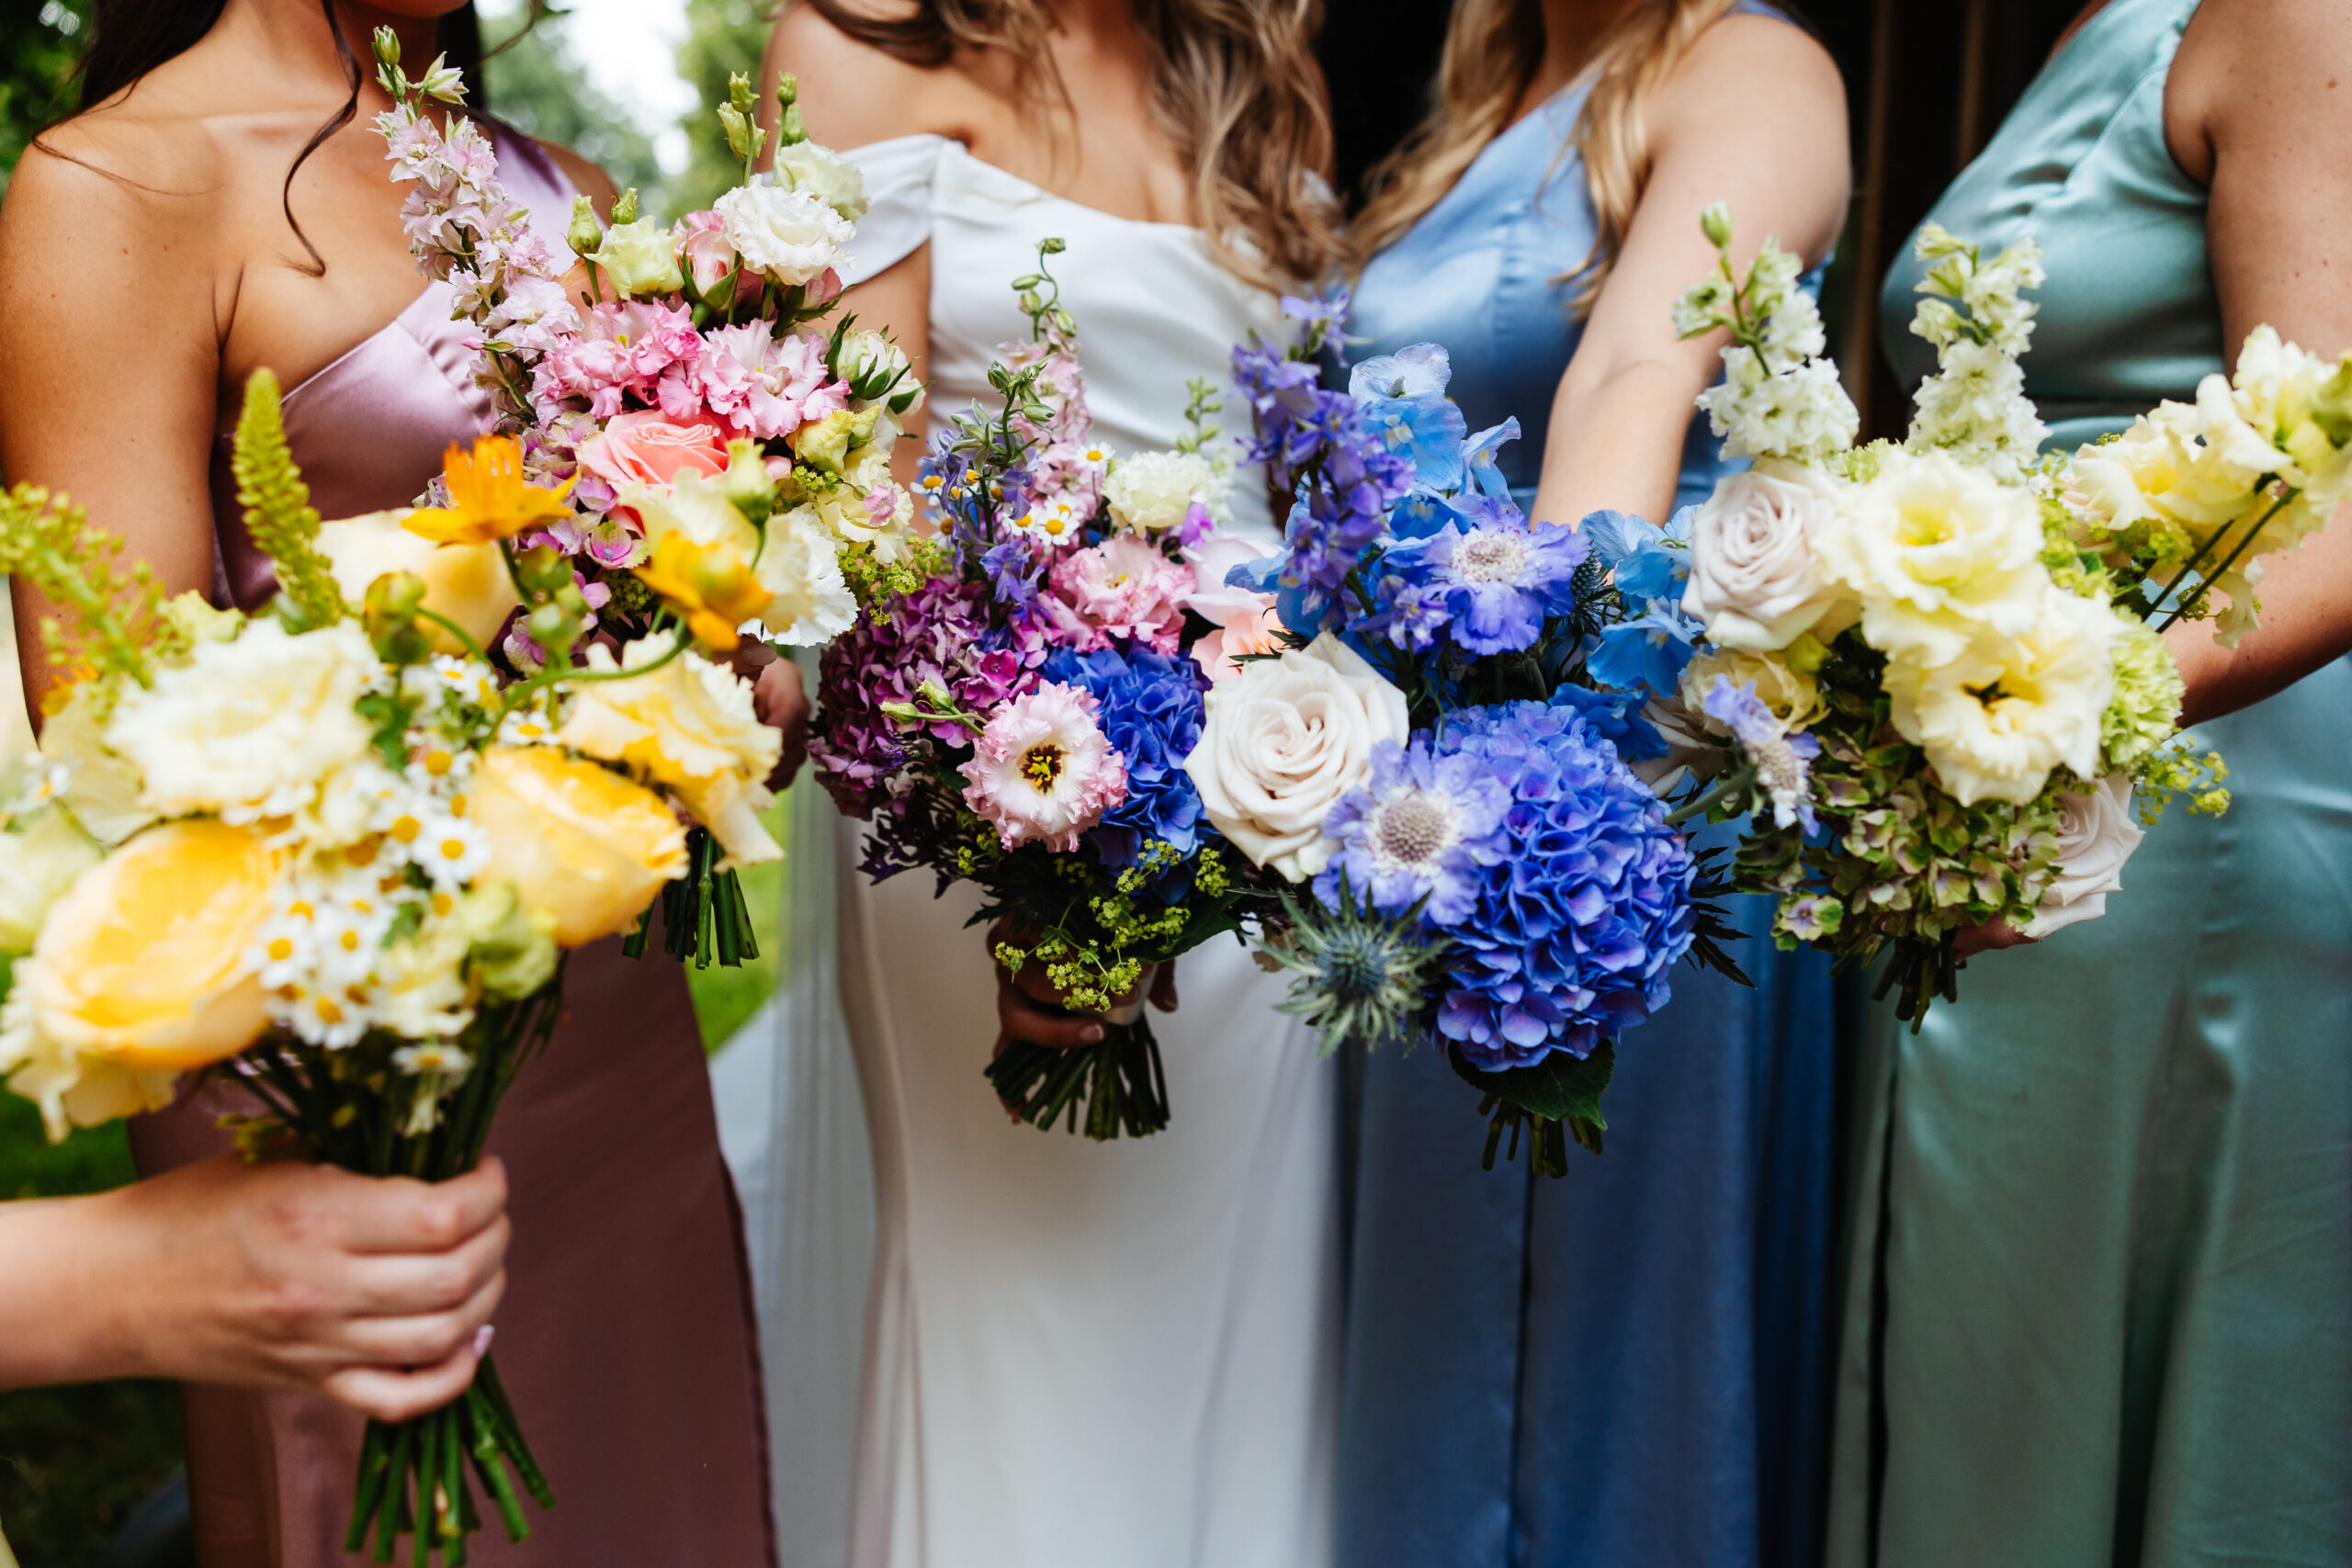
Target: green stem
2204, 587
464, 639
1738, 779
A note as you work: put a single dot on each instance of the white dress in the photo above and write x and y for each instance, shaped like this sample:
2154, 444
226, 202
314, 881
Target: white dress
1082, 1355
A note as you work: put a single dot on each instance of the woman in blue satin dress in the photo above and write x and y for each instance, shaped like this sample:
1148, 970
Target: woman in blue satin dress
1621, 1368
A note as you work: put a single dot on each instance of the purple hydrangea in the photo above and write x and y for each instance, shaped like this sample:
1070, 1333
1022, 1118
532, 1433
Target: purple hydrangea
1586, 906
1494, 579
1422, 824
1150, 708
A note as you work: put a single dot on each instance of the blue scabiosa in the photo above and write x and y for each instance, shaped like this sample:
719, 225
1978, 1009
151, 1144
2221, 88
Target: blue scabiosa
1585, 909
1498, 579
1419, 827
1782, 759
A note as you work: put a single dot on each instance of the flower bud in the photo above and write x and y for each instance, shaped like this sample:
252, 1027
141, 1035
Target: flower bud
625, 207
1715, 223
740, 97
585, 235
389, 613
387, 46
511, 946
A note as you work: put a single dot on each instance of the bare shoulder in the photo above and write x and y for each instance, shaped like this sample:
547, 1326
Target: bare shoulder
1746, 64
2269, 66
853, 94
125, 176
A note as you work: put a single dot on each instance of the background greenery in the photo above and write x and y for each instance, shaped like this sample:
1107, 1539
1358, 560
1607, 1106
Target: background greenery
74, 1463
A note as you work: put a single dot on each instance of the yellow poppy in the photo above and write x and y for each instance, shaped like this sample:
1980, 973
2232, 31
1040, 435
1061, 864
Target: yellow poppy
708, 584
489, 499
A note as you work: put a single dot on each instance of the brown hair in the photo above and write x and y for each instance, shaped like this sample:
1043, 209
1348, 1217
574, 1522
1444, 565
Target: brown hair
1234, 83
1492, 50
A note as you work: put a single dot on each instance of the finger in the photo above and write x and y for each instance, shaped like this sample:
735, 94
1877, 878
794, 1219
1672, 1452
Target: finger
424, 1340
1021, 1020
1163, 987
396, 1215
394, 1393
410, 1284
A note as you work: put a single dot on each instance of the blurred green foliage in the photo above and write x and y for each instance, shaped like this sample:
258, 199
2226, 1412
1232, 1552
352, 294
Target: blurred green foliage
40, 42
537, 84
722, 36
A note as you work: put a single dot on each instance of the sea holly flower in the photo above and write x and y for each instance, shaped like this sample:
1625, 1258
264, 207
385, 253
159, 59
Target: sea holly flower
1418, 829
1043, 771
1783, 758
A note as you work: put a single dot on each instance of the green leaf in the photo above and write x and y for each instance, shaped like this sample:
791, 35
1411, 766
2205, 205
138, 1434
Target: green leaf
1560, 1087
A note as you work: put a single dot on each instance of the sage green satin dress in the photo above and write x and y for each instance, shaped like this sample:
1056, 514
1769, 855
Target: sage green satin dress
2099, 1301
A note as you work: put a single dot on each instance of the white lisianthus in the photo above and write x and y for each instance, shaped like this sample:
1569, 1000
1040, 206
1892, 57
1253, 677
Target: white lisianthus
1152, 491
869, 506
689, 725
38, 862
247, 728
824, 174
1996, 717
641, 259
2096, 836
1937, 550
809, 601
791, 236
1756, 581
1282, 741
869, 359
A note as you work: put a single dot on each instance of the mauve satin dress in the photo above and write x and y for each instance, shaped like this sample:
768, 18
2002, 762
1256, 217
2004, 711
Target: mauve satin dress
626, 1336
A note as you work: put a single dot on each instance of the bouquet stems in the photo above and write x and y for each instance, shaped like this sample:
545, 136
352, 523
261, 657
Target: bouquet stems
703, 914
1113, 1089
1554, 1100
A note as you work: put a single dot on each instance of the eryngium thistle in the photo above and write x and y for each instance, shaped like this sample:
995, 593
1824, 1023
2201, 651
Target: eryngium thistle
1360, 974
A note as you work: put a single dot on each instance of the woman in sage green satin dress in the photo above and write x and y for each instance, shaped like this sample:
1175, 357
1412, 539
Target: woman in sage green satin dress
2100, 1308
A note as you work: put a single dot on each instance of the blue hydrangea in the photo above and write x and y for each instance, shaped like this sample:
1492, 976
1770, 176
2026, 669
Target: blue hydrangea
1586, 909
1420, 826
1486, 587
1151, 711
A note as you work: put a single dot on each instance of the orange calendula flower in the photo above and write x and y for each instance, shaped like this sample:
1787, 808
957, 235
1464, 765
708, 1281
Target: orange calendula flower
711, 585
489, 499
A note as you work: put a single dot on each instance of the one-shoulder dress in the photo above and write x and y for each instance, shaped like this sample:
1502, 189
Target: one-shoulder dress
627, 1336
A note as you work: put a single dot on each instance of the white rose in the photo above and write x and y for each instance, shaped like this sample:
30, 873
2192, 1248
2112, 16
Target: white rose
790, 235
1997, 717
2096, 836
1151, 491
38, 864
825, 174
1283, 741
247, 728
1937, 551
1753, 579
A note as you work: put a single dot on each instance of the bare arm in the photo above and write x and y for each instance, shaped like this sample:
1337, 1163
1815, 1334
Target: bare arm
2259, 106
1755, 115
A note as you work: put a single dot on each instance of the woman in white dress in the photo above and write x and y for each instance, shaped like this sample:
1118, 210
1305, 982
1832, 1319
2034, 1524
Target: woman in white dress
1082, 1355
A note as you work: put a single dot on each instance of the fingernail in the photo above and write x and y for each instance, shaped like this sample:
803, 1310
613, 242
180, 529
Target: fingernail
483, 1336
1092, 1034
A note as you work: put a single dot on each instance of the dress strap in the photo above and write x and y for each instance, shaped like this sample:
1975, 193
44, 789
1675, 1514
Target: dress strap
899, 174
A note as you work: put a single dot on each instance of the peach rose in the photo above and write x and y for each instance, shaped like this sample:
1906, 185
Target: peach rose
650, 448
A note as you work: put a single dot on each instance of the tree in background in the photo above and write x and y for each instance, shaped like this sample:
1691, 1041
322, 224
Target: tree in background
722, 36
537, 85
40, 40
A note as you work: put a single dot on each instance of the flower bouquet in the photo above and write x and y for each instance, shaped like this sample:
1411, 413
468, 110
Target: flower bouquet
327, 853
704, 451
1450, 754
1015, 704
1935, 668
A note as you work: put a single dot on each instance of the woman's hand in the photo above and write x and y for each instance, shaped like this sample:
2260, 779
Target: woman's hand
781, 699
1990, 937
282, 1275
1028, 1007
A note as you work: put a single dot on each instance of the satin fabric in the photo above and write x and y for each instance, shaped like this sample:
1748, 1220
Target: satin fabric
1622, 1367
627, 1334
2100, 1298
1082, 1355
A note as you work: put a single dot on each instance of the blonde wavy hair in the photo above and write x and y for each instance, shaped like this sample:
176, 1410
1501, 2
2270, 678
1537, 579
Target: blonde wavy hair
1234, 83
1493, 49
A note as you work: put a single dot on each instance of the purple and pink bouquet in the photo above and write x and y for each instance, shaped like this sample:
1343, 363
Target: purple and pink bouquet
1019, 714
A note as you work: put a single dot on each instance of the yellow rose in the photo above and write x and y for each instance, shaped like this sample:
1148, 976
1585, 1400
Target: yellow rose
689, 724
577, 839
140, 973
1793, 696
468, 584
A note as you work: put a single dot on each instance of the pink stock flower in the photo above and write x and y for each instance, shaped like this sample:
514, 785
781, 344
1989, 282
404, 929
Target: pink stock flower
1251, 631
1120, 588
651, 449
1042, 770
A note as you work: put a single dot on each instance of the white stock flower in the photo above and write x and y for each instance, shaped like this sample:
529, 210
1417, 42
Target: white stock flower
1975, 408
248, 728
2096, 836
1151, 491
1995, 718
1282, 741
824, 174
1937, 550
792, 236
1755, 583
1801, 413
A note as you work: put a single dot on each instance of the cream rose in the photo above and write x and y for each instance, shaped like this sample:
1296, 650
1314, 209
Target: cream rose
1152, 491
468, 584
1756, 581
248, 728
579, 842
1793, 696
689, 724
37, 865
792, 236
1936, 550
2096, 836
1282, 741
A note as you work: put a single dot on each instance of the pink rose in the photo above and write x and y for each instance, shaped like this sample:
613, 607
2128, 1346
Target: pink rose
1251, 631
1120, 588
652, 449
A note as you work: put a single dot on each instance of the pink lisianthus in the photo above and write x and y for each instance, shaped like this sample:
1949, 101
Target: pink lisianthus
1042, 770
1120, 588
1251, 631
822, 289
703, 249
621, 348
649, 448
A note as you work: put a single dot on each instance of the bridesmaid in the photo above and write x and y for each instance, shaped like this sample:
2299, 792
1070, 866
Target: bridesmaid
223, 205
1619, 1368
2100, 1298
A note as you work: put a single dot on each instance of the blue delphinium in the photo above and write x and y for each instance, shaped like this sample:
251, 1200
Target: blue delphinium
1494, 579
1478, 457
1584, 911
1150, 709
1420, 826
1403, 399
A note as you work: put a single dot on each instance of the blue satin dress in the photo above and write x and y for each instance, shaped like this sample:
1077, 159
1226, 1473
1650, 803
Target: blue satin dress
1620, 1369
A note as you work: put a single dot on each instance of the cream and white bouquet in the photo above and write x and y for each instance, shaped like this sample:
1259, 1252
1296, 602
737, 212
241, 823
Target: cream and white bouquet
1932, 671
326, 853
714, 452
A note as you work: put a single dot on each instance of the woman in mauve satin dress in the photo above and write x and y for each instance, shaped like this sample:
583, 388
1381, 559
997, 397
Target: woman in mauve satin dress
155, 253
